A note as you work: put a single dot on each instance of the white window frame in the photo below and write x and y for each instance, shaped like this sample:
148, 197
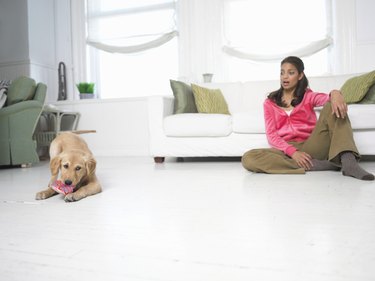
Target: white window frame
87, 51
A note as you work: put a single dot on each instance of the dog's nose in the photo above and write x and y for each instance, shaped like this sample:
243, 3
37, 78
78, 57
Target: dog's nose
68, 182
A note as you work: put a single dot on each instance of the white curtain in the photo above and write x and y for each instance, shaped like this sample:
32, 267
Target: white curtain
304, 51
255, 31
130, 26
200, 39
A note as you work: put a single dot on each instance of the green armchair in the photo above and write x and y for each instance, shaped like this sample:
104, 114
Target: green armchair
18, 119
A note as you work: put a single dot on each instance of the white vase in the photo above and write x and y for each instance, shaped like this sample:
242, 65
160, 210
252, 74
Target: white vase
83, 96
207, 77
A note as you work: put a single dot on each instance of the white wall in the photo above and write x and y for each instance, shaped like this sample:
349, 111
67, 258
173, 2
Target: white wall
42, 43
354, 36
365, 35
35, 37
121, 125
14, 40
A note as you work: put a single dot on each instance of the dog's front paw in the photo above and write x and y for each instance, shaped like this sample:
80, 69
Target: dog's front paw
41, 195
44, 194
70, 197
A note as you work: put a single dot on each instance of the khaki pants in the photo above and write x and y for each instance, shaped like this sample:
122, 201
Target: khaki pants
330, 137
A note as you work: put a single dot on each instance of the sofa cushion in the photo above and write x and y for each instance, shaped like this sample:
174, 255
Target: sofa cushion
356, 88
198, 125
21, 89
209, 100
255, 93
248, 122
183, 98
362, 116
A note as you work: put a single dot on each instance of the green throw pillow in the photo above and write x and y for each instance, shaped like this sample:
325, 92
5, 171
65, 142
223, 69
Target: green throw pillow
21, 89
354, 89
370, 96
209, 100
183, 98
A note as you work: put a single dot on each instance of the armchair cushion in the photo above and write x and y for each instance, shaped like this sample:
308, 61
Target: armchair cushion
21, 89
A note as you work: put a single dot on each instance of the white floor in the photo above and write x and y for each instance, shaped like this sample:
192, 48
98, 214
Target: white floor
189, 221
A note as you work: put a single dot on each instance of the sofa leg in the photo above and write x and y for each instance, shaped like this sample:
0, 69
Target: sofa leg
26, 165
159, 159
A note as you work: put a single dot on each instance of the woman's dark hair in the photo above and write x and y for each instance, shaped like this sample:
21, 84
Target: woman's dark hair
302, 85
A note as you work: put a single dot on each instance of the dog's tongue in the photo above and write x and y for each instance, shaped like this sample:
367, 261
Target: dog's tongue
62, 188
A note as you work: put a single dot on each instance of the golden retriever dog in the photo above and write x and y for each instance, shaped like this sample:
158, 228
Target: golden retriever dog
72, 159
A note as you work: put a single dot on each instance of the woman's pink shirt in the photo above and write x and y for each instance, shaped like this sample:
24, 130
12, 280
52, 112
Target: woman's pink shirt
282, 128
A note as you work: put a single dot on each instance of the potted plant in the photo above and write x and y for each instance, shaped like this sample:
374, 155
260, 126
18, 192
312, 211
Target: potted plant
86, 90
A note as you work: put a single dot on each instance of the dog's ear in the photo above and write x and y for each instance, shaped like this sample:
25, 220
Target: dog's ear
54, 165
90, 165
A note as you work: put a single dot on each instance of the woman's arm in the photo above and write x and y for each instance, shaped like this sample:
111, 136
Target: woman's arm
338, 104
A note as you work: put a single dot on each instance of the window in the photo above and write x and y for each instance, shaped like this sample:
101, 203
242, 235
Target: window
257, 36
134, 50
132, 46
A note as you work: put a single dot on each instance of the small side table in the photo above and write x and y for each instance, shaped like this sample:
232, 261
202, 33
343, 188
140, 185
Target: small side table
57, 120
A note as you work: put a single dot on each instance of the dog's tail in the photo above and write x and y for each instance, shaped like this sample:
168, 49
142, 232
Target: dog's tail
79, 132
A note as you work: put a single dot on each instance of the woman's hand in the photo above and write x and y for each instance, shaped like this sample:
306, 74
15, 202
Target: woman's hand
338, 104
303, 159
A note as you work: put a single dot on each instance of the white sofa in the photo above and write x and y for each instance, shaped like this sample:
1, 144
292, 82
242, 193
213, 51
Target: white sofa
219, 135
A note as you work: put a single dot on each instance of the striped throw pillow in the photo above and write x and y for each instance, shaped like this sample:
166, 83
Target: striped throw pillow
355, 89
209, 100
4, 85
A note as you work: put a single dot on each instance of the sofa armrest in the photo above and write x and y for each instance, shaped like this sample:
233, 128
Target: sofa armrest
40, 93
20, 119
20, 107
161, 106
158, 108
